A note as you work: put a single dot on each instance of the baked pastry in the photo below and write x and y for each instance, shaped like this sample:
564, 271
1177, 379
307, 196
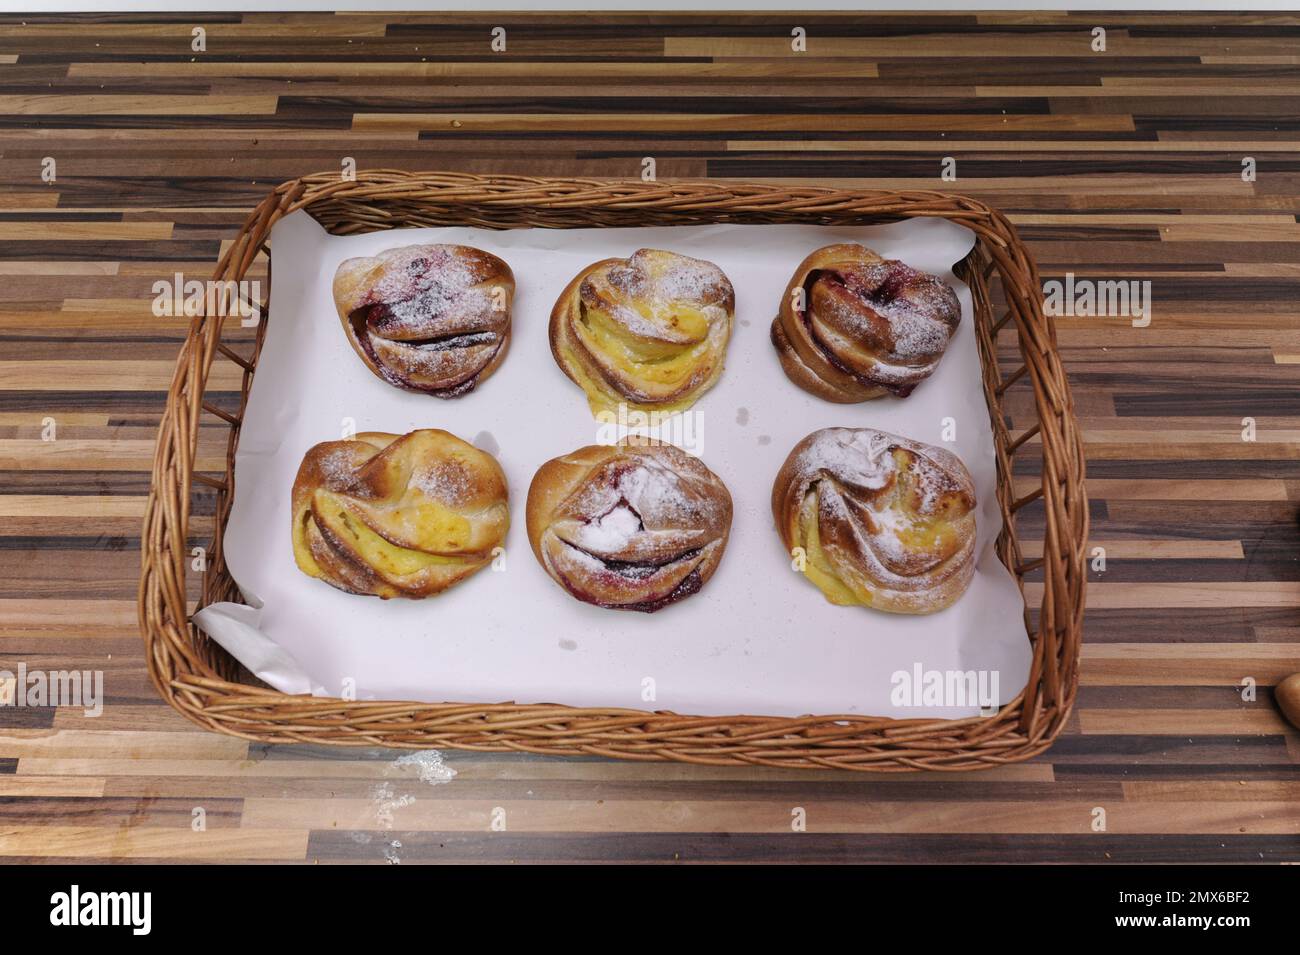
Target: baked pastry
397, 516
883, 521
649, 331
427, 318
630, 527
854, 326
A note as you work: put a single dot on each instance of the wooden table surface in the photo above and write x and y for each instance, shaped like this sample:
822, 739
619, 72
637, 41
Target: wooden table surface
1122, 164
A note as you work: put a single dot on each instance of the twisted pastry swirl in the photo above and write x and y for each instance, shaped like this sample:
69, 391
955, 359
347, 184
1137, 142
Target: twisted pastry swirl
629, 527
883, 521
394, 516
854, 326
649, 331
428, 318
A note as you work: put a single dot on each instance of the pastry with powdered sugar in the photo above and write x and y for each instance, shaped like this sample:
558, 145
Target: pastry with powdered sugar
632, 526
877, 520
854, 326
398, 516
649, 331
433, 319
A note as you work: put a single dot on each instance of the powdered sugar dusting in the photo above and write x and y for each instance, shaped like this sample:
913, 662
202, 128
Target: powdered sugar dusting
631, 500
931, 482
864, 458
690, 280
660, 281
650, 485
385, 804
905, 483
903, 316
429, 765
448, 480
612, 531
884, 546
429, 321
407, 317
921, 309
855, 456
437, 271
338, 466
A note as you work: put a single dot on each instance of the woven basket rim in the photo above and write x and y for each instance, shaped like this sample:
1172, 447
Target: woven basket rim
187, 679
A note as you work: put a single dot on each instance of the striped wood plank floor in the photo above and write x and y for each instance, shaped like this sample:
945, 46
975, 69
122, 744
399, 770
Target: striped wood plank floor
1122, 164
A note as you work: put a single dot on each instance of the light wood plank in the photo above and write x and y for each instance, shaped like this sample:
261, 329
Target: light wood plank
175, 842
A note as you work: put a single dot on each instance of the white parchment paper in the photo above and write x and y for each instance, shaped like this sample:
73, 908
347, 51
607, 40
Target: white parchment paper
758, 639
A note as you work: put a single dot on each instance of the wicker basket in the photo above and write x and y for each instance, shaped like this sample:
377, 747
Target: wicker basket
201, 681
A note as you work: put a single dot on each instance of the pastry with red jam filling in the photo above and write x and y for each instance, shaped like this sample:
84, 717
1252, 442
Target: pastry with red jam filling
628, 526
853, 326
433, 319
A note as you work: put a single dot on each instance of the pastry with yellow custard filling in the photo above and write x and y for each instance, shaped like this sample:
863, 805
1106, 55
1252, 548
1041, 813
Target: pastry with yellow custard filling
649, 331
877, 520
397, 516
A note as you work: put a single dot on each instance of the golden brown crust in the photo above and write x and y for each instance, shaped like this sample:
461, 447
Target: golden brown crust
881, 521
853, 326
433, 319
397, 516
628, 527
649, 331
